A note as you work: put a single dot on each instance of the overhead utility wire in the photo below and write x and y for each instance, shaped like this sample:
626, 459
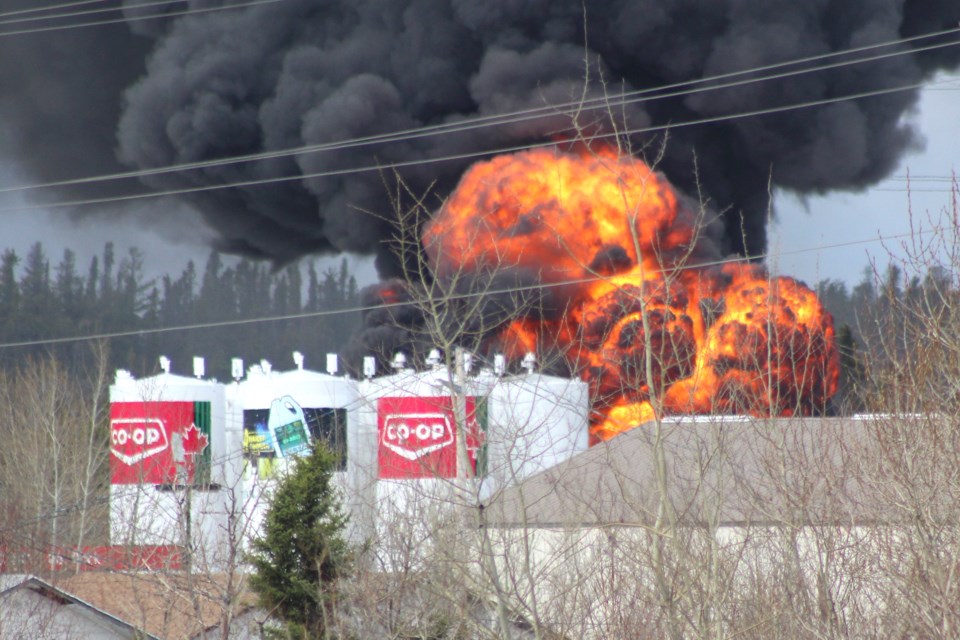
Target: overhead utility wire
454, 296
87, 12
49, 7
171, 14
908, 190
518, 116
461, 156
925, 178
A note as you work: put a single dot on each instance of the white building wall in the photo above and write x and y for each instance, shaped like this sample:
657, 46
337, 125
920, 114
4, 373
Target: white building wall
535, 422
259, 390
147, 514
27, 615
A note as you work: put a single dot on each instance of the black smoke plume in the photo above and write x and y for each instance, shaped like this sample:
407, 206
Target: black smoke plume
190, 88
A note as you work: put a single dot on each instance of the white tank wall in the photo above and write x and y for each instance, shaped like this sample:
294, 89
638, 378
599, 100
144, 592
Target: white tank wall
535, 421
362, 465
259, 390
143, 514
150, 516
373, 500
172, 388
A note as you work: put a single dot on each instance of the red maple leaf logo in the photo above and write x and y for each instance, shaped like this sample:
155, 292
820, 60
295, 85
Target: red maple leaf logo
194, 442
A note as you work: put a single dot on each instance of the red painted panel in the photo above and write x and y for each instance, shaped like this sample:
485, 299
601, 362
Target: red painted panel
418, 439
151, 441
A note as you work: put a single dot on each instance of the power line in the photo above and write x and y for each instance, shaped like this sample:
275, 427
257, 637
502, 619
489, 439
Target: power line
632, 97
906, 190
88, 12
51, 7
171, 14
924, 178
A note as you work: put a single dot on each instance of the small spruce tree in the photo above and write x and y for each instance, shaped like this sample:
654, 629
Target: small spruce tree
302, 551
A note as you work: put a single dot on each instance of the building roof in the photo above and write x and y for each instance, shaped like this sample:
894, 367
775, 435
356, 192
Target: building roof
722, 471
161, 605
12, 583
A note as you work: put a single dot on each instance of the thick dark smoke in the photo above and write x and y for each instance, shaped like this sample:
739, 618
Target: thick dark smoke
61, 96
200, 87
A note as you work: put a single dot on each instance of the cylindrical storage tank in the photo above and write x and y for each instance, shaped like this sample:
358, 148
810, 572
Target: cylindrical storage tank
168, 444
406, 461
278, 415
535, 421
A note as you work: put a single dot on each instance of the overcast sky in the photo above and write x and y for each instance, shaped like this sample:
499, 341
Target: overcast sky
803, 232
801, 237
166, 247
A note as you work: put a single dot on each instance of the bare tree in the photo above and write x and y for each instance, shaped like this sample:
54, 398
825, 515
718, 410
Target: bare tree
913, 357
53, 462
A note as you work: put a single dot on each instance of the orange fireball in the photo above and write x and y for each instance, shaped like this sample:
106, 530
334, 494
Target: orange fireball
771, 352
564, 214
643, 326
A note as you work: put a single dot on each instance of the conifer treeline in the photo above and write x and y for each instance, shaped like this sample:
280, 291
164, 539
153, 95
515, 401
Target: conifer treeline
880, 319
40, 301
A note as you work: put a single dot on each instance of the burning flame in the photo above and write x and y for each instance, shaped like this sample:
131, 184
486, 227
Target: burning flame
652, 332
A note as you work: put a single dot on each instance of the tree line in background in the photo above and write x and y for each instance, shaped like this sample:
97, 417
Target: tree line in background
41, 302
877, 322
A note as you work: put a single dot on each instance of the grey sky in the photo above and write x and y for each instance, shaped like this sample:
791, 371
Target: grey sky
802, 235
166, 246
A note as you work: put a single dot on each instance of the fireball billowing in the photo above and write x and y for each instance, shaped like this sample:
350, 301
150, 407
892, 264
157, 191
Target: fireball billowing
645, 319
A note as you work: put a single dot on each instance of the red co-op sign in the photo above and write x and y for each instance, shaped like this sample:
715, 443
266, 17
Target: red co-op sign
144, 438
418, 437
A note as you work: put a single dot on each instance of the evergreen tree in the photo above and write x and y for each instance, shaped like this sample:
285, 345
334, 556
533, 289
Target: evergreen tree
252, 284
127, 302
217, 300
313, 289
833, 294
864, 295
849, 398
294, 303
131, 289
69, 286
106, 278
253, 290
37, 315
302, 551
340, 291
71, 311
9, 292
90, 299
178, 308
